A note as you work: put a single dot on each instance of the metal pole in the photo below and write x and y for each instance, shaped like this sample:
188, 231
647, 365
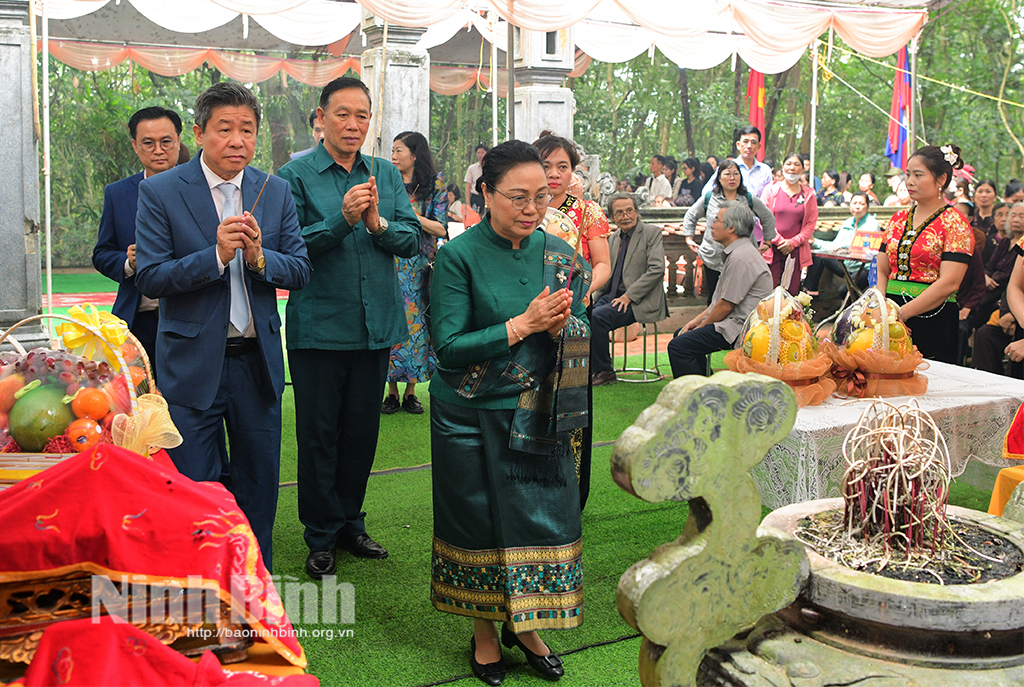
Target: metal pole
46, 156
814, 105
510, 71
494, 85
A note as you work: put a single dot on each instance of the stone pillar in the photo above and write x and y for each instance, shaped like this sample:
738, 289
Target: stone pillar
406, 102
543, 60
20, 291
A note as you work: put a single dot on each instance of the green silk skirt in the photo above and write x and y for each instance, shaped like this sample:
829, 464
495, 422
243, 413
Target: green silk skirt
507, 533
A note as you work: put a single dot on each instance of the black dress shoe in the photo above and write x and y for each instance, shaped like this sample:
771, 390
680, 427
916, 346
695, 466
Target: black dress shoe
390, 405
550, 666
604, 377
320, 563
362, 546
411, 404
491, 673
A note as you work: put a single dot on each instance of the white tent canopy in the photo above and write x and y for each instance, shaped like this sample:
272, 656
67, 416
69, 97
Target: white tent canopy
770, 35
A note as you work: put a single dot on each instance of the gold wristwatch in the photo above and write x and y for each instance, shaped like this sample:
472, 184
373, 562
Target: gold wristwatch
261, 262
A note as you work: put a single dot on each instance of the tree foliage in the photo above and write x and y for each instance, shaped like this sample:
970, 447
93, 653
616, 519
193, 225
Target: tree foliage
625, 113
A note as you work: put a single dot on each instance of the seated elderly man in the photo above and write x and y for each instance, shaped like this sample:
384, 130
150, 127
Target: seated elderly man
745, 280
634, 293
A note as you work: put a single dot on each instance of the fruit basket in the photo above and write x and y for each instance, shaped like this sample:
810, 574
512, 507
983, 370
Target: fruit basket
778, 341
93, 384
872, 351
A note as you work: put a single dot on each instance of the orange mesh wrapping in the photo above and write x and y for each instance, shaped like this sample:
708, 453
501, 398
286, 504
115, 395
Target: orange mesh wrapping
809, 380
863, 374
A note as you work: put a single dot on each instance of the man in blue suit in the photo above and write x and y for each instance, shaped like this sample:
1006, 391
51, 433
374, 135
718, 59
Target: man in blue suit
156, 139
215, 262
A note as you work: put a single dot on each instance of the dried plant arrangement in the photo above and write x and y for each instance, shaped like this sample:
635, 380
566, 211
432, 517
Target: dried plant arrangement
895, 494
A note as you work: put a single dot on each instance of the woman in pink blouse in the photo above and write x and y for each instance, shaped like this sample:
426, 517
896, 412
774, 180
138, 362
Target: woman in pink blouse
796, 212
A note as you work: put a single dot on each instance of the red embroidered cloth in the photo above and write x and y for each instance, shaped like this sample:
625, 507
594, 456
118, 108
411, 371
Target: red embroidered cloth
112, 512
1013, 444
80, 652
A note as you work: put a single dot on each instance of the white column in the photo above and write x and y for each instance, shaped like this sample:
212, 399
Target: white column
405, 105
543, 61
20, 295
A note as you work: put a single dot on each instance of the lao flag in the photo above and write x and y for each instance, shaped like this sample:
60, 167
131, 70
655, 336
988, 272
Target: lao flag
756, 101
897, 142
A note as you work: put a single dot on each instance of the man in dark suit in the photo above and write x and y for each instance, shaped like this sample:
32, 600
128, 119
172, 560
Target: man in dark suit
634, 293
215, 262
156, 139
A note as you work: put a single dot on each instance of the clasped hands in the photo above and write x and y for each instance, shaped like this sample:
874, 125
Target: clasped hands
239, 231
360, 203
548, 312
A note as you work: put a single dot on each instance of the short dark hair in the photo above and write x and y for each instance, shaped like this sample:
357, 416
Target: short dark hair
479, 146
1012, 186
987, 182
749, 129
148, 113
724, 165
343, 83
862, 195
935, 160
804, 157
225, 94
454, 190
693, 163
312, 119
548, 143
621, 196
502, 158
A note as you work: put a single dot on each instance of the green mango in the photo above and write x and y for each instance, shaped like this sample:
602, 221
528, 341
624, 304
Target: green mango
38, 416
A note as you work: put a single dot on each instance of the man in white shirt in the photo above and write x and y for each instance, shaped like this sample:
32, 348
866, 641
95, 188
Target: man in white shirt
657, 184
475, 200
756, 174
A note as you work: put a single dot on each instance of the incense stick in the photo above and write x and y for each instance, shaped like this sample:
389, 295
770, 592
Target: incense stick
380, 96
259, 194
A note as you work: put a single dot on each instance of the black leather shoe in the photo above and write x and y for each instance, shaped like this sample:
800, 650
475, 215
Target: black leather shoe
320, 563
491, 673
550, 666
604, 377
390, 405
411, 404
362, 546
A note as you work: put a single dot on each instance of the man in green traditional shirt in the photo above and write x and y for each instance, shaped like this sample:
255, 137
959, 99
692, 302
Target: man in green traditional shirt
342, 325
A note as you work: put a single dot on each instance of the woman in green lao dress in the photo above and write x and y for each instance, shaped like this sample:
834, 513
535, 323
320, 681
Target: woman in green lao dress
512, 343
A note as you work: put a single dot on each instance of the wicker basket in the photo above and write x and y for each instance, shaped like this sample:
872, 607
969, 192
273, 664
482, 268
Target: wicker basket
15, 467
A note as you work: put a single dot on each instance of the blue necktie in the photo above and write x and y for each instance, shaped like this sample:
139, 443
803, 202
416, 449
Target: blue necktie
239, 314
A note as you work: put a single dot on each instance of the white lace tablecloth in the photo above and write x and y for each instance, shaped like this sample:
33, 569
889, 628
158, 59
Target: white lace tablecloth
973, 409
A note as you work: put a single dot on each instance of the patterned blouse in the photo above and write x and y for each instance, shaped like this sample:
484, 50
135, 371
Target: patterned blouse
916, 255
434, 207
589, 220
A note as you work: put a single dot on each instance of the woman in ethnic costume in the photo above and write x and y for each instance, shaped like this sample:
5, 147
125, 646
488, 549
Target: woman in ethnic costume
561, 157
414, 361
925, 254
512, 345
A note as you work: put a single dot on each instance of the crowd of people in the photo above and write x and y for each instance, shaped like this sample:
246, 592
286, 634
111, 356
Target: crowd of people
509, 321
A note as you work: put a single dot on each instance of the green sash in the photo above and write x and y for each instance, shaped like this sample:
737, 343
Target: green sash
551, 376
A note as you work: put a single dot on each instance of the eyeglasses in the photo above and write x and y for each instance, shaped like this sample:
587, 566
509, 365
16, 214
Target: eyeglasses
624, 213
149, 145
520, 202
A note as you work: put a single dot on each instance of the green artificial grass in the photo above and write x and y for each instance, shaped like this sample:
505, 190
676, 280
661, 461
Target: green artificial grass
399, 639
79, 282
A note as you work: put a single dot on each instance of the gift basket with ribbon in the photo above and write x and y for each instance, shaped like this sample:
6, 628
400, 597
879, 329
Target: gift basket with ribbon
872, 351
778, 341
93, 384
